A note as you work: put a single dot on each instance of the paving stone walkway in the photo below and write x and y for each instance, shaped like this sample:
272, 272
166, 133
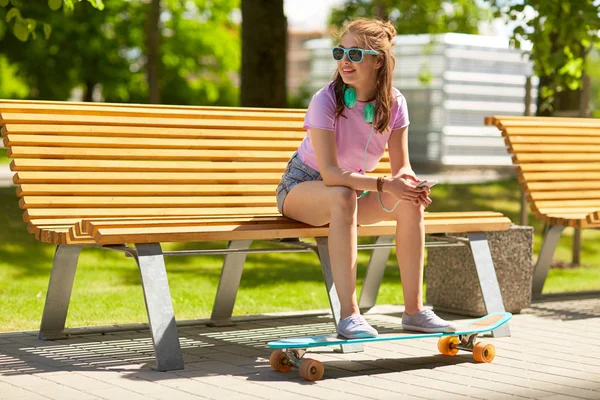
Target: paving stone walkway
553, 353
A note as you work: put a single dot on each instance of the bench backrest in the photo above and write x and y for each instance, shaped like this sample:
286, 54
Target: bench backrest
558, 163
77, 160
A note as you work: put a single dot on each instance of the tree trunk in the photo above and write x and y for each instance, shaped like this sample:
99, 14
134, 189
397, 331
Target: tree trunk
566, 103
264, 43
381, 11
153, 51
89, 91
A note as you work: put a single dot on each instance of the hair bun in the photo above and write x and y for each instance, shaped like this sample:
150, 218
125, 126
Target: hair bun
390, 30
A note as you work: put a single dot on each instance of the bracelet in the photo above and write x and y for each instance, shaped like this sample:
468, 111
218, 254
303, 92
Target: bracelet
380, 183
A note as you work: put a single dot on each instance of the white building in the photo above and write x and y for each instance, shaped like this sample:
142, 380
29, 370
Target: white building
451, 82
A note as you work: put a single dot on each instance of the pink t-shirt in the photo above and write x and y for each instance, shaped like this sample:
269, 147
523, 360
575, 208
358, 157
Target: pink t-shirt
351, 133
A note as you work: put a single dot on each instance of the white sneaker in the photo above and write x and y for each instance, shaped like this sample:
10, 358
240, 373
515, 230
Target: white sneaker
426, 321
356, 327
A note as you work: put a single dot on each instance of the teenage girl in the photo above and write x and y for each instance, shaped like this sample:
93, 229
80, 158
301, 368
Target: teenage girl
349, 122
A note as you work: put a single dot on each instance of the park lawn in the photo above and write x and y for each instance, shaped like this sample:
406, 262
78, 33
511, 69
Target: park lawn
4, 160
107, 286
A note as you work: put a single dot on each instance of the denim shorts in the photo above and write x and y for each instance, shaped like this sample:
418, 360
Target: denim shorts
296, 172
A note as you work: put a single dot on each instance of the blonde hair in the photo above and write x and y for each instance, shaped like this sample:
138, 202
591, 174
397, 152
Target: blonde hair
375, 35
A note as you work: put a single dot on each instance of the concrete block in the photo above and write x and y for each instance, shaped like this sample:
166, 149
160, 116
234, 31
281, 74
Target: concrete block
451, 277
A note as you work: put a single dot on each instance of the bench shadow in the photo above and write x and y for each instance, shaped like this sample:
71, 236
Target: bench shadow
241, 350
566, 306
235, 350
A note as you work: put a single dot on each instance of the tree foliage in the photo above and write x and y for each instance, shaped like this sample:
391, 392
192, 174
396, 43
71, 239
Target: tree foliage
413, 17
562, 34
23, 26
106, 51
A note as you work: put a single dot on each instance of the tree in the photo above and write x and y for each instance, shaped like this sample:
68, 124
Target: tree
200, 50
264, 44
413, 17
195, 60
83, 50
153, 51
562, 34
23, 27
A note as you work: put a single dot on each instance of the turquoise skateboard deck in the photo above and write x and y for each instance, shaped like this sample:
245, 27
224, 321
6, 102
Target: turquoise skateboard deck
289, 352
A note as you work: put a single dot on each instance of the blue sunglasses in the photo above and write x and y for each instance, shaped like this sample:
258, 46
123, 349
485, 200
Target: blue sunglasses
354, 54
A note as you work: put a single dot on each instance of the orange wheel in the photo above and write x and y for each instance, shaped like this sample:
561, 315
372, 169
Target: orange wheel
311, 370
279, 361
447, 345
484, 353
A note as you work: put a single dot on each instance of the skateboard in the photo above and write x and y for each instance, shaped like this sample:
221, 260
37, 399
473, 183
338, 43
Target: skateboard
289, 352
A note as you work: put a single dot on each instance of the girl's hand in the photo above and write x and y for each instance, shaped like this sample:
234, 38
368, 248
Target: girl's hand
407, 173
404, 187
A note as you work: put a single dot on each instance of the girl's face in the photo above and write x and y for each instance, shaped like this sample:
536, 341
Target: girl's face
362, 74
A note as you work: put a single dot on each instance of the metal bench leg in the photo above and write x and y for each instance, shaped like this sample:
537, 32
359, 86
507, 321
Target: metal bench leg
542, 266
231, 275
334, 301
159, 307
59, 292
492, 297
374, 274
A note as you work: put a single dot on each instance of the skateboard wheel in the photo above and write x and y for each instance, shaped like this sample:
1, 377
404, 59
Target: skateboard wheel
279, 361
484, 353
447, 345
311, 370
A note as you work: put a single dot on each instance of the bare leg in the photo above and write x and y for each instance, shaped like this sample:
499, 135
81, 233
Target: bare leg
410, 242
316, 204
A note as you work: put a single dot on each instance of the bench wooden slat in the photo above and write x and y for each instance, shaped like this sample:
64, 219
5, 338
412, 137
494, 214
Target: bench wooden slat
57, 104
92, 226
30, 164
563, 185
565, 195
82, 224
93, 109
555, 158
25, 164
561, 210
580, 140
554, 148
144, 190
567, 215
567, 203
144, 154
141, 201
560, 176
147, 177
548, 131
10, 118
178, 234
434, 223
567, 166
149, 143
508, 121
134, 131
46, 213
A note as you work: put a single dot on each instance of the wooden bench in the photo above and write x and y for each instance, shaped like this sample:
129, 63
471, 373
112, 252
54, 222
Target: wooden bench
558, 164
109, 175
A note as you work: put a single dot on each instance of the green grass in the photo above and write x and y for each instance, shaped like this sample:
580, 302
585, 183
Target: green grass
3, 158
107, 286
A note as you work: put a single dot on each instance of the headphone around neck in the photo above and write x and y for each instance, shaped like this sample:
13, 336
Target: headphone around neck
350, 102
369, 114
